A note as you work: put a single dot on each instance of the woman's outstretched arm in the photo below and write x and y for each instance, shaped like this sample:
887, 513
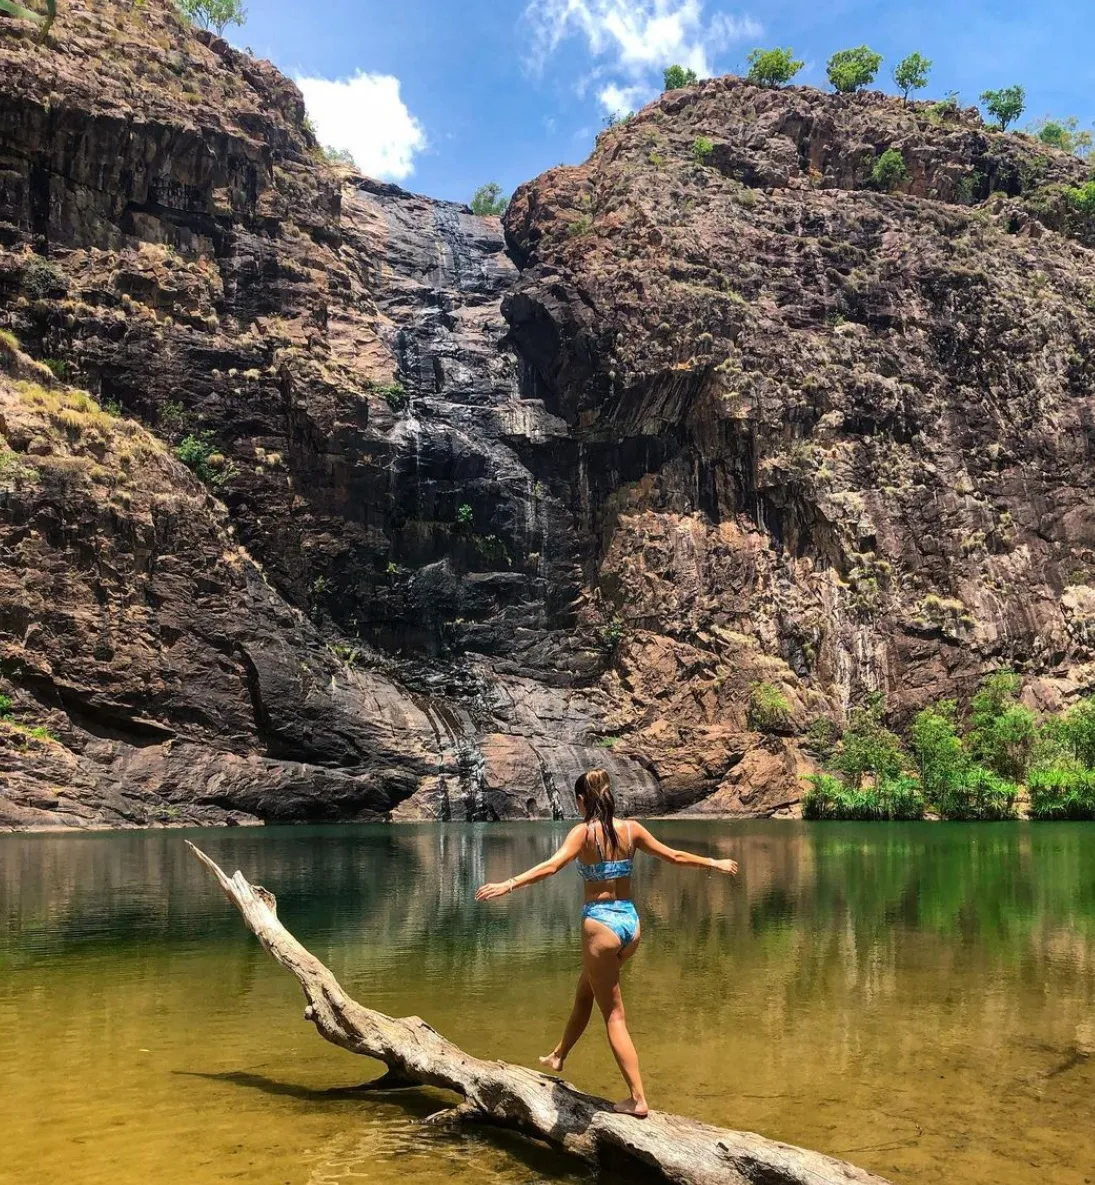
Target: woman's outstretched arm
645, 842
571, 846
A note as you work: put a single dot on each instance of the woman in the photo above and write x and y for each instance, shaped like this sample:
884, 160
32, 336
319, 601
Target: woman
610, 925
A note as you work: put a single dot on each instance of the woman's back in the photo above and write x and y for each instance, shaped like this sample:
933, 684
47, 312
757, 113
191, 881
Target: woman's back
606, 866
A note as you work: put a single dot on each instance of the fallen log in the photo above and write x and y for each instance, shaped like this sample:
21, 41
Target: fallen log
661, 1148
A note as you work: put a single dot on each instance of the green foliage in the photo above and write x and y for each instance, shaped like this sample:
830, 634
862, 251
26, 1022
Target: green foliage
113, 408
889, 170
464, 514
395, 394
173, 418
769, 710
1062, 792
1076, 730
14, 471
773, 67
339, 156
1082, 197
677, 76
58, 366
889, 799
43, 278
5, 707
1005, 105
940, 111
1002, 732
911, 74
1064, 134
44, 21
213, 14
488, 199
821, 739
868, 747
199, 454
850, 70
979, 794
702, 148
940, 755
613, 634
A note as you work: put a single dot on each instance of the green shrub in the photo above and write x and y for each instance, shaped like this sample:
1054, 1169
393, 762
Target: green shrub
613, 634
201, 456
488, 199
911, 74
339, 156
889, 799
821, 738
1002, 732
213, 14
702, 148
676, 77
395, 395
14, 471
978, 794
1082, 197
938, 750
773, 67
464, 514
58, 366
868, 747
850, 70
889, 170
1064, 134
5, 707
43, 278
769, 710
1062, 792
1005, 105
1076, 730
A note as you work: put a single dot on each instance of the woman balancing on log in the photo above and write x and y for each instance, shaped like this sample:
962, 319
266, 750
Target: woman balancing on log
604, 850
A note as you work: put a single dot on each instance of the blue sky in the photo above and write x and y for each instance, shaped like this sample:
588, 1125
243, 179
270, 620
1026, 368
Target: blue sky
442, 95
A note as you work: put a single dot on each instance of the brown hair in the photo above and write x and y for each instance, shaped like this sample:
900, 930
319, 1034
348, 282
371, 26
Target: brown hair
595, 791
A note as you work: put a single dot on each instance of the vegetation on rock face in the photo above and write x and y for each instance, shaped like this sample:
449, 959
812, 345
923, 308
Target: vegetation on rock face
1064, 134
339, 156
773, 67
199, 454
214, 14
676, 77
851, 70
769, 709
488, 199
889, 170
911, 74
702, 148
43, 21
1005, 105
973, 774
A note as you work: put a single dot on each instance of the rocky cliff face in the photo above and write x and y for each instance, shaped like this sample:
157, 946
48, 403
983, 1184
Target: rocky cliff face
475, 509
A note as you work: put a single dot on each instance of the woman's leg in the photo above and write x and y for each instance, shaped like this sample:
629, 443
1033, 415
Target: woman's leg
575, 1026
602, 959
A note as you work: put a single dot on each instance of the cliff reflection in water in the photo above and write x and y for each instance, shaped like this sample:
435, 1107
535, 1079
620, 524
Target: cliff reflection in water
918, 997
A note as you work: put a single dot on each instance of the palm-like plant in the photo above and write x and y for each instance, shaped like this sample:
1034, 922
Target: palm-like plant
44, 22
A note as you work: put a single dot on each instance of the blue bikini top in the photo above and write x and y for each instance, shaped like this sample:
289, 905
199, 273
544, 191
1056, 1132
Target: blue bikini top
606, 870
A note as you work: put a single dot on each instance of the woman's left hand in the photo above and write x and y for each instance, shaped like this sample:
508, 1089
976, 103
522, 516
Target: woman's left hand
489, 892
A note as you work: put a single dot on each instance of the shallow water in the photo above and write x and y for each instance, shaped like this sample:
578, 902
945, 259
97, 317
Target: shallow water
918, 998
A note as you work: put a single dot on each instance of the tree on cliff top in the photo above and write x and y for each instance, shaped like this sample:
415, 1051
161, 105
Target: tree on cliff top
1064, 134
678, 76
213, 14
1006, 104
488, 199
911, 74
772, 67
850, 70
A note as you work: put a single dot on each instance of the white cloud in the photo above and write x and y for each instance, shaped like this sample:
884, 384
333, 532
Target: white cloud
638, 37
619, 100
366, 116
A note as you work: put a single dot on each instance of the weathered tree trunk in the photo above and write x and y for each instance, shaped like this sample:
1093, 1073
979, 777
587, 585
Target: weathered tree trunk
663, 1147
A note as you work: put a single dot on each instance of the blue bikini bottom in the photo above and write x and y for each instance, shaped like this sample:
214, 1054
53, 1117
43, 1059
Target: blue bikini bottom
619, 916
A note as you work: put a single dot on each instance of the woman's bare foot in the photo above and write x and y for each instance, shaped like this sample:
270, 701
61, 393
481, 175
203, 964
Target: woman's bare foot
553, 1062
636, 1107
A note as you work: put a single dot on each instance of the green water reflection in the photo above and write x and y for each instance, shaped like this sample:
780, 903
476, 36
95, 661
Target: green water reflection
916, 997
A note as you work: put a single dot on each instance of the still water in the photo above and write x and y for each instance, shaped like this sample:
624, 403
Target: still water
918, 998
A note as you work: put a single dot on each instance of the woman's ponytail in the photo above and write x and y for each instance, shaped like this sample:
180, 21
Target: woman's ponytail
595, 790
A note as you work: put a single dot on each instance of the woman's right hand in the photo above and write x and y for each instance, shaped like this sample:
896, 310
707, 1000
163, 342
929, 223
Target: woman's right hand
730, 867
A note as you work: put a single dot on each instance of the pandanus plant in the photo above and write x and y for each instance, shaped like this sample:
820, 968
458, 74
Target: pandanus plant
43, 21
